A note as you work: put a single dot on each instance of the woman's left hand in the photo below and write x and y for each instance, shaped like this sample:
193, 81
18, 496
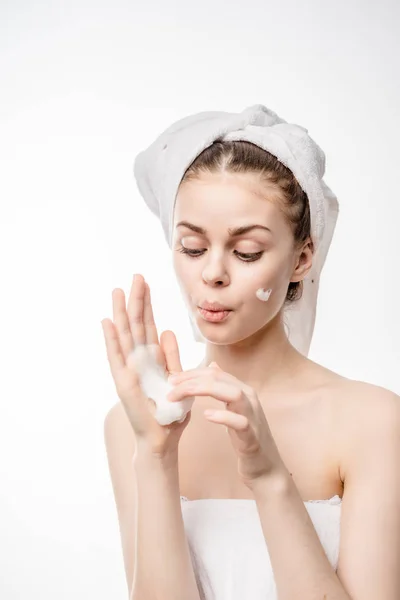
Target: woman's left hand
243, 416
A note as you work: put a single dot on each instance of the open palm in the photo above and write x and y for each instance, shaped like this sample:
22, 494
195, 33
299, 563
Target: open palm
131, 326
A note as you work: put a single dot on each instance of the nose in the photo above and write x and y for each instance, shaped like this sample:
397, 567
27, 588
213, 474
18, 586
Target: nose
215, 274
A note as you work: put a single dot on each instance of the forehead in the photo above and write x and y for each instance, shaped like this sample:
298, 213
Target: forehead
228, 198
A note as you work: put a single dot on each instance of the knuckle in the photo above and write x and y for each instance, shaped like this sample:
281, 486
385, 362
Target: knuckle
191, 388
148, 319
245, 425
136, 319
238, 396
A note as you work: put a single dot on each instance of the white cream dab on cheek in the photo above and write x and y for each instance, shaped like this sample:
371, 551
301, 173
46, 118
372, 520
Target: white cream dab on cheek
263, 294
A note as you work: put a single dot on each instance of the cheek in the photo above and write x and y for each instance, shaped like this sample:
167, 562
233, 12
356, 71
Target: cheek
261, 277
178, 260
176, 263
273, 277
184, 275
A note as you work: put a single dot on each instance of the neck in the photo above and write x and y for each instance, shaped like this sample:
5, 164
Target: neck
266, 361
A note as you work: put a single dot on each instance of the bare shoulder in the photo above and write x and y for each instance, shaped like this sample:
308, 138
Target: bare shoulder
351, 398
365, 416
362, 401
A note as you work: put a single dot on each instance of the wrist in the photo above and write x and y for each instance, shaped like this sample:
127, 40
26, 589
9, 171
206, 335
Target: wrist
145, 456
278, 482
157, 479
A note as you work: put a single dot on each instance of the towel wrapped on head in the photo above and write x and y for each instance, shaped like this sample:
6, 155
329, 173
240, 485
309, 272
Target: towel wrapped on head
159, 170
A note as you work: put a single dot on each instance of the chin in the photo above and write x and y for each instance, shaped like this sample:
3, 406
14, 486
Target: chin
222, 336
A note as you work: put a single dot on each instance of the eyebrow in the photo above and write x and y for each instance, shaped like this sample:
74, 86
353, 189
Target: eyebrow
232, 232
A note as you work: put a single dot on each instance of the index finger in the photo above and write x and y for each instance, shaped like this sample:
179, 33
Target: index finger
218, 374
190, 373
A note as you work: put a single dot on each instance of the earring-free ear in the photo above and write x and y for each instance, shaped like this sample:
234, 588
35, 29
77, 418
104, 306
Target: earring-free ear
263, 294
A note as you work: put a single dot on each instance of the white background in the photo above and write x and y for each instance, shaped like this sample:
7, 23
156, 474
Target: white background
84, 87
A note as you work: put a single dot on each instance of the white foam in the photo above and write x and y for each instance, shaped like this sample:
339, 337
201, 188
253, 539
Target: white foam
154, 383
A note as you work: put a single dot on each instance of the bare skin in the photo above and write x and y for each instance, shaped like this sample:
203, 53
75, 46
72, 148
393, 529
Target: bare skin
302, 400
336, 436
318, 422
304, 426
297, 394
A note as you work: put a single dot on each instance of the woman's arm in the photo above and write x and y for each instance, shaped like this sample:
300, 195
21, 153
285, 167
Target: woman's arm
163, 567
299, 563
369, 556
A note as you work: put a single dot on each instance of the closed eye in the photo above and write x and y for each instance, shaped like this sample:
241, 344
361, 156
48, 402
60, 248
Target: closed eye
244, 257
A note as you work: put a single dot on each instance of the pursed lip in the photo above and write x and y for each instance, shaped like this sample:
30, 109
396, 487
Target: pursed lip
213, 306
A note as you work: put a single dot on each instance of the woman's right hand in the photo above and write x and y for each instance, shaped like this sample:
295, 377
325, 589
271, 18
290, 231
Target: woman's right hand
131, 327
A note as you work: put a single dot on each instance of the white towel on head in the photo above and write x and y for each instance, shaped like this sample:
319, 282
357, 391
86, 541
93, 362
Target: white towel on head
159, 170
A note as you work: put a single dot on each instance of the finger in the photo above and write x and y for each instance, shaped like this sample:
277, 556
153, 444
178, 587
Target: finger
148, 318
245, 441
121, 322
190, 374
115, 355
214, 373
203, 371
228, 418
136, 310
170, 348
223, 391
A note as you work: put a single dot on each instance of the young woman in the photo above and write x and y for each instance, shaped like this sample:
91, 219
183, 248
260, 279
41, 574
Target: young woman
291, 488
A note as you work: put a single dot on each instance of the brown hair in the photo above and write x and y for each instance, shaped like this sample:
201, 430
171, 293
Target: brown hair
240, 156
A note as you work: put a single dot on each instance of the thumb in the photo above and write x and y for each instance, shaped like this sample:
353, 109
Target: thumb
169, 345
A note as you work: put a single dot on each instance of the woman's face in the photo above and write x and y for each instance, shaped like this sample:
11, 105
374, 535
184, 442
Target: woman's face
229, 269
